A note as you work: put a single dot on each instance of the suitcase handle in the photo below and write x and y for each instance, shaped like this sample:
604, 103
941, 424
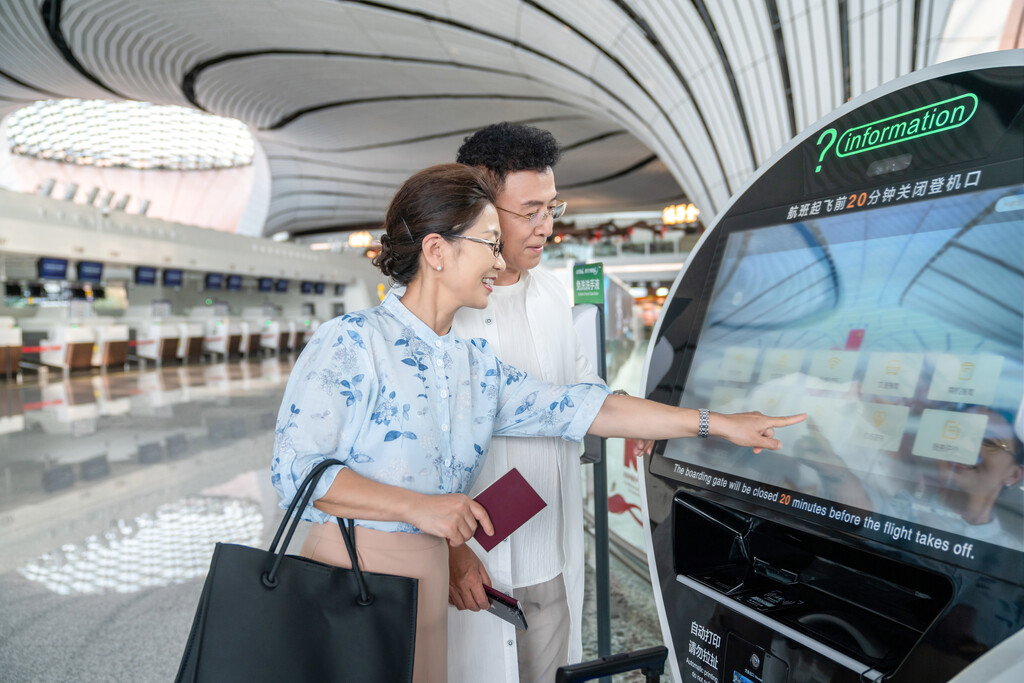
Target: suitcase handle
650, 661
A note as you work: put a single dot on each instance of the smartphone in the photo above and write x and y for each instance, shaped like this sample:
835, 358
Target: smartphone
506, 607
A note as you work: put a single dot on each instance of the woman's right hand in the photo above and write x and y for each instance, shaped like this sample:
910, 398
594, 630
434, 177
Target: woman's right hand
753, 429
453, 516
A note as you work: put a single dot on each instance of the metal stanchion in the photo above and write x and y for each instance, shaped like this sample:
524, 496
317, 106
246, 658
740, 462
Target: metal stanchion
601, 551
588, 288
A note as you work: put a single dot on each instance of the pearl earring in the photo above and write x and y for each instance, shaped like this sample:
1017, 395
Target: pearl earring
439, 268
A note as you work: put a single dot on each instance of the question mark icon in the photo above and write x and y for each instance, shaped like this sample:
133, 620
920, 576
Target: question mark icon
831, 140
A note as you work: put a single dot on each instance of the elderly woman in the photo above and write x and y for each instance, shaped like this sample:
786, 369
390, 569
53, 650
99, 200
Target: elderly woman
410, 408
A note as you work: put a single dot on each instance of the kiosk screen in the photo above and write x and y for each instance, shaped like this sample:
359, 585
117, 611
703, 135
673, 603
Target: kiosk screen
898, 331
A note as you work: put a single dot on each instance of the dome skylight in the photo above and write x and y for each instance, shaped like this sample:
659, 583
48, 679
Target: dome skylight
138, 135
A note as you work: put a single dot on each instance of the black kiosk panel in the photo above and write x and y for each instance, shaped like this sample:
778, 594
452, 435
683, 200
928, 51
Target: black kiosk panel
871, 276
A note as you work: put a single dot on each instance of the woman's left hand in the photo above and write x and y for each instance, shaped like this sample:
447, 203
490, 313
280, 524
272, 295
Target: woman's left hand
751, 429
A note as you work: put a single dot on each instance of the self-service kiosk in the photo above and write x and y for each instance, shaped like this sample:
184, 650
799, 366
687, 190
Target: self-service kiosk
871, 275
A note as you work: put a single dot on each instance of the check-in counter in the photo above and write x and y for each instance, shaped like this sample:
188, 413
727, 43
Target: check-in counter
190, 340
223, 337
10, 347
68, 346
110, 347
73, 342
63, 340
156, 339
303, 332
275, 336
251, 331
294, 335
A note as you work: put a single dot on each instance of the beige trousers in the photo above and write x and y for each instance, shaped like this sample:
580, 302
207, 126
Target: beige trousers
544, 646
420, 556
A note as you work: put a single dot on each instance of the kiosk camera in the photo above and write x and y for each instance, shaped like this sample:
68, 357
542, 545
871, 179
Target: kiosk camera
871, 275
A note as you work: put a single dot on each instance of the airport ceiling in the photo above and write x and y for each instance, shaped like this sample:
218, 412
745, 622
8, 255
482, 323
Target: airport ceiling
654, 101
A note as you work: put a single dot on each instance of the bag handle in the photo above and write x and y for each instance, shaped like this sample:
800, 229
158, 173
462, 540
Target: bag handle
304, 493
348, 533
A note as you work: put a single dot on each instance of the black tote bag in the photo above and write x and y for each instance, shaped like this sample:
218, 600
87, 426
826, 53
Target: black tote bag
267, 616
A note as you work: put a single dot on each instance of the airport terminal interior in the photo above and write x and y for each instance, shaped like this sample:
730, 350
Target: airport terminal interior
190, 189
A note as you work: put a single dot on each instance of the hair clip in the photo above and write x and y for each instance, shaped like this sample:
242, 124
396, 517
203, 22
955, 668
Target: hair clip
407, 230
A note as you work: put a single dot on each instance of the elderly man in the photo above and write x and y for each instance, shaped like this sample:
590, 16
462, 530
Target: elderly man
529, 322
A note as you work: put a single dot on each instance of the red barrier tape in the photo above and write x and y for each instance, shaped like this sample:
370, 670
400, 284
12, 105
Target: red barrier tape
42, 404
37, 349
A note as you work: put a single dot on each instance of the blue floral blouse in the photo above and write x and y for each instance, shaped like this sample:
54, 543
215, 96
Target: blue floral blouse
383, 393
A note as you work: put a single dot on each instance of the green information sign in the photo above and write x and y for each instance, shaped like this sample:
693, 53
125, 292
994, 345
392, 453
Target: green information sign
588, 283
930, 119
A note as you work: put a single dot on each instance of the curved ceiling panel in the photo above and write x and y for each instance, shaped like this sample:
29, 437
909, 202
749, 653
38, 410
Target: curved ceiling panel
30, 60
351, 125
654, 100
238, 88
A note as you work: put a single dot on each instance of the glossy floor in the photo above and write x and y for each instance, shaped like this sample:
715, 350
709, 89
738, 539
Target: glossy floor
114, 489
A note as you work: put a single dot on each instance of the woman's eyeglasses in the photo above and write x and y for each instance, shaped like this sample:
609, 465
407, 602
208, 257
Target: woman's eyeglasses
993, 443
538, 217
496, 247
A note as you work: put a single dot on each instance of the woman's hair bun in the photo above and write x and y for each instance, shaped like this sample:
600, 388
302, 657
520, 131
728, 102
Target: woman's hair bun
385, 260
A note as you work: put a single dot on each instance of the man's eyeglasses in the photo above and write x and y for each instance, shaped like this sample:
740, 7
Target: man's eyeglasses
496, 247
538, 217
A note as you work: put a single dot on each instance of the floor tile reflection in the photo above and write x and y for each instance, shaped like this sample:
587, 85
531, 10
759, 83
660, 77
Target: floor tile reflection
113, 491
171, 545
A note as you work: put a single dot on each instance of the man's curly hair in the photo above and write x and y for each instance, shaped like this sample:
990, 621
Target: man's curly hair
504, 148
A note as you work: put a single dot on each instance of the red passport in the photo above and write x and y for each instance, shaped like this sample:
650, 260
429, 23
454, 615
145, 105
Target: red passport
510, 502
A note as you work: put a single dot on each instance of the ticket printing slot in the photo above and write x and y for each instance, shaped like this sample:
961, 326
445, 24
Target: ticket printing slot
868, 607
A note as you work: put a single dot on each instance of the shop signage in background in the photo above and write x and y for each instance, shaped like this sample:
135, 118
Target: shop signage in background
588, 283
679, 213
